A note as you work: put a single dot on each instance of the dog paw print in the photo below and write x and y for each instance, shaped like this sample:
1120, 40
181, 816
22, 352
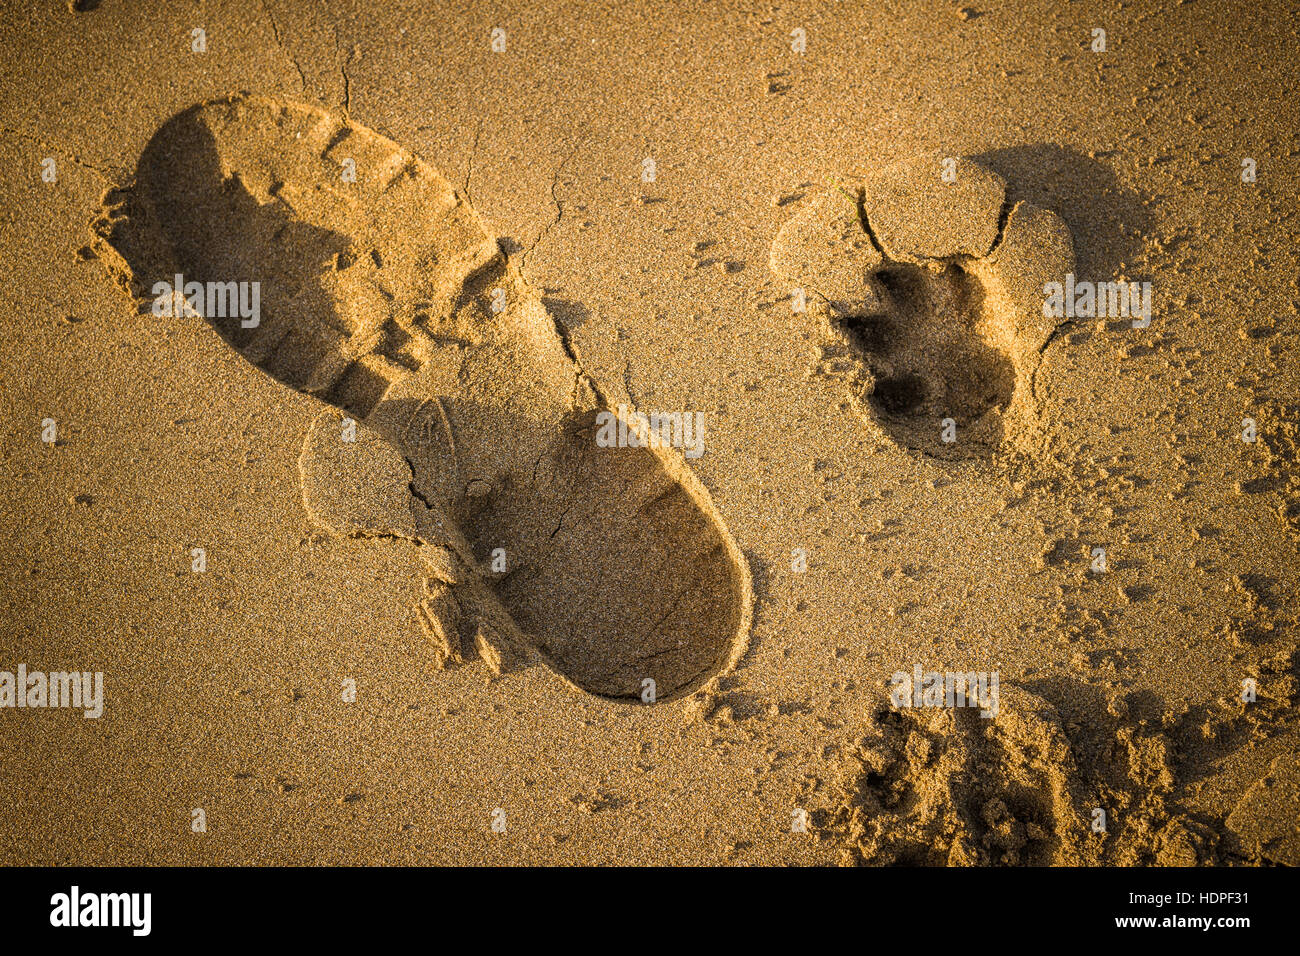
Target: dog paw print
933, 285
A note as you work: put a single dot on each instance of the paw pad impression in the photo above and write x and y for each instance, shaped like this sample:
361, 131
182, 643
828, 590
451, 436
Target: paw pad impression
933, 282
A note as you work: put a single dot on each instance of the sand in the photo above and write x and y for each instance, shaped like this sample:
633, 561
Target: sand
396, 574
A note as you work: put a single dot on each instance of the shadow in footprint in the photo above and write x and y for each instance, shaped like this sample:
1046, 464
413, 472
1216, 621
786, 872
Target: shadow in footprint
1107, 220
613, 569
218, 232
571, 314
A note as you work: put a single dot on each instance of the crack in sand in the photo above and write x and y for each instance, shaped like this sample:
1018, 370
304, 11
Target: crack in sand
559, 214
1033, 376
343, 69
565, 341
555, 199
275, 30
416, 491
1003, 215
866, 223
109, 178
469, 168
347, 85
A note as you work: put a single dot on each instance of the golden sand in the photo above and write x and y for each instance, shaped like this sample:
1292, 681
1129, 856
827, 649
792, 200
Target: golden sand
417, 560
